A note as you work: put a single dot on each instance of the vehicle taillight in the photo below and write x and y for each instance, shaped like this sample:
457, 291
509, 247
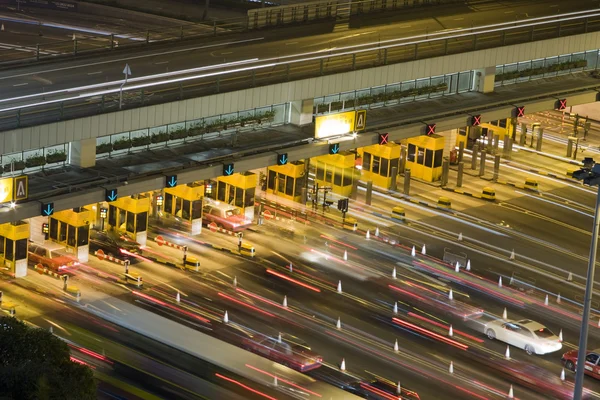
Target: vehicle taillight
62, 267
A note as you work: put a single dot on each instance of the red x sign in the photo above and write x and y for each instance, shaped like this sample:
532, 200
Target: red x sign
430, 129
562, 104
520, 111
383, 138
476, 120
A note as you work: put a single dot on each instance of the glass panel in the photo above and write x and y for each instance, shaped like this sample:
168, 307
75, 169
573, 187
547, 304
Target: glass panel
281, 183
384, 169
21, 251
239, 197
420, 156
221, 187
231, 195
62, 236
366, 164
71, 238
320, 171
249, 201
122, 221
376, 161
289, 186
271, 180
394, 162
437, 162
185, 210
412, 149
197, 209
464, 82
337, 178
299, 185
9, 249
141, 221
53, 229
428, 158
168, 203
329, 174
130, 225
347, 178
83, 235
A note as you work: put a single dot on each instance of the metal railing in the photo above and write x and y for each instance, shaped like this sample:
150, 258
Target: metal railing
197, 82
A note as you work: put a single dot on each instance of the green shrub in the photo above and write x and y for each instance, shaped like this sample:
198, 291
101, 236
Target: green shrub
56, 156
122, 144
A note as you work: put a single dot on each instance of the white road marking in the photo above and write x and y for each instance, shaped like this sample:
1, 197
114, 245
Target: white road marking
94, 73
21, 84
161, 62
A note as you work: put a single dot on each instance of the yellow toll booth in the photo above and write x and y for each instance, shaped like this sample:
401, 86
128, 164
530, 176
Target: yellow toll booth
501, 127
130, 214
13, 247
378, 161
71, 228
238, 190
424, 157
287, 180
185, 202
337, 171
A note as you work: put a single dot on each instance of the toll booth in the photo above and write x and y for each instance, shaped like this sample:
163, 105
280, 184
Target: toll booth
71, 228
378, 161
238, 190
14, 239
287, 180
501, 127
185, 202
130, 214
424, 157
337, 171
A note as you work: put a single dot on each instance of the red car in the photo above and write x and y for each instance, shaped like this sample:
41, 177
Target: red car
225, 216
290, 351
51, 258
592, 367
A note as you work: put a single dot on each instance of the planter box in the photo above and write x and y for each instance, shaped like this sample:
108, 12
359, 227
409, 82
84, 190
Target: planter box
35, 161
17, 166
159, 137
104, 148
59, 156
122, 144
140, 141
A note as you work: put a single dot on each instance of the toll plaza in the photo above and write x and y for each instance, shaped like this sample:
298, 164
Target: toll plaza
424, 157
130, 214
71, 228
238, 190
185, 202
378, 163
287, 180
13, 247
336, 171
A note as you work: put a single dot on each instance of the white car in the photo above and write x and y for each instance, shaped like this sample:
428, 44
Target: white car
526, 334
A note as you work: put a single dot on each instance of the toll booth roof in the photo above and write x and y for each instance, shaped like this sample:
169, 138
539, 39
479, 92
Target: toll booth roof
132, 166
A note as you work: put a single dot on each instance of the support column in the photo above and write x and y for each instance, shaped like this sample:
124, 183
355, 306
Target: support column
402, 160
459, 177
394, 181
82, 153
407, 181
445, 169
484, 79
482, 164
301, 112
474, 157
540, 137
496, 167
369, 194
461, 151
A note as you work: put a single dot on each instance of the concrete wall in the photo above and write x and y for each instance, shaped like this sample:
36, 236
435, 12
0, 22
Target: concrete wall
147, 117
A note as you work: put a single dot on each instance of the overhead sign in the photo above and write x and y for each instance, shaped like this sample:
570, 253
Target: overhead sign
6, 190
519, 111
476, 120
384, 138
47, 209
282, 159
334, 148
361, 120
334, 124
430, 130
110, 194
228, 169
171, 181
21, 188
561, 104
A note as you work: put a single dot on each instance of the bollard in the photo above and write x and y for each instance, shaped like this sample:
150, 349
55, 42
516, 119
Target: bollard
445, 169
570, 141
1, 296
496, 143
496, 167
394, 176
540, 137
354, 193
482, 164
459, 177
407, 181
461, 151
474, 157
506, 147
402, 163
369, 195
523, 137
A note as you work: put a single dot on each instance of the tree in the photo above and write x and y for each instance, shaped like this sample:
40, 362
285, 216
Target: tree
35, 364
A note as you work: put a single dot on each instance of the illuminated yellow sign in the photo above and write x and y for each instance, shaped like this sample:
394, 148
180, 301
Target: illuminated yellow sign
334, 124
6, 190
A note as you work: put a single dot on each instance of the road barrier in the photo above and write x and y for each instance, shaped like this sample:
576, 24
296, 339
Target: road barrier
43, 270
102, 256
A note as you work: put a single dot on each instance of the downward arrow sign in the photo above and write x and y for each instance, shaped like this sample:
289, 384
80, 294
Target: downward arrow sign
229, 170
335, 149
112, 196
48, 210
283, 159
172, 182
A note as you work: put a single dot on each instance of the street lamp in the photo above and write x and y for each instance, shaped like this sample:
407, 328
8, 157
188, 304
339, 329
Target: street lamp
590, 175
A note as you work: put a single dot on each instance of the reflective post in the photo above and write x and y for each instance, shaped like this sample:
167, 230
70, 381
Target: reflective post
570, 141
496, 143
445, 169
369, 195
506, 147
354, 193
459, 177
482, 164
540, 136
394, 176
402, 165
407, 181
496, 167
474, 157
461, 151
523, 136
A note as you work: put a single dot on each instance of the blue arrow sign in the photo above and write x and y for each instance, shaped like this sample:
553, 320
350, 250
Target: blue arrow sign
47, 209
334, 148
172, 181
111, 194
227, 169
282, 159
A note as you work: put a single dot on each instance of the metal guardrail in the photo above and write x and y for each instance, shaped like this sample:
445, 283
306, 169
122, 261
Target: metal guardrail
202, 81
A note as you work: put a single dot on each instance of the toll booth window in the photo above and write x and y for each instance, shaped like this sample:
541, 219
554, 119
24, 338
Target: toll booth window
2, 245
495, 123
271, 180
21, 250
337, 176
53, 229
168, 203
289, 186
437, 162
320, 171
299, 185
412, 149
280, 183
122, 218
376, 161
141, 223
420, 156
429, 158
239, 197
249, 200
366, 161
130, 225
83, 235
394, 162
9, 251
231, 196
196, 209
62, 232
462, 132
112, 215
71, 239
384, 170
347, 178
329, 174
502, 123
221, 187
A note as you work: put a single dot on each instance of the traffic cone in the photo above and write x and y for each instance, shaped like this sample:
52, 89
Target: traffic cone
226, 318
396, 308
507, 353
450, 295
570, 277
457, 267
450, 331
394, 273
343, 364
562, 375
504, 314
396, 347
512, 254
423, 250
546, 300
178, 297
368, 236
339, 288
339, 323
285, 301
234, 281
558, 298
377, 232
500, 282
413, 252
511, 395
468, 265
560, 336
460, 237
451, 369
345, 255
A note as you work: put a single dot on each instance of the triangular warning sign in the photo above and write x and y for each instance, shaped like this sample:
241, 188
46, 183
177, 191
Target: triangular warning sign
360, 122
20, 191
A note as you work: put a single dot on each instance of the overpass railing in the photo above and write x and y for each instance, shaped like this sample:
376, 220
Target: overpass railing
172, 86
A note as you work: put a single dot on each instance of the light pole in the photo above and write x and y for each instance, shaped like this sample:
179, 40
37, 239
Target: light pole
127, 72
590, 175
